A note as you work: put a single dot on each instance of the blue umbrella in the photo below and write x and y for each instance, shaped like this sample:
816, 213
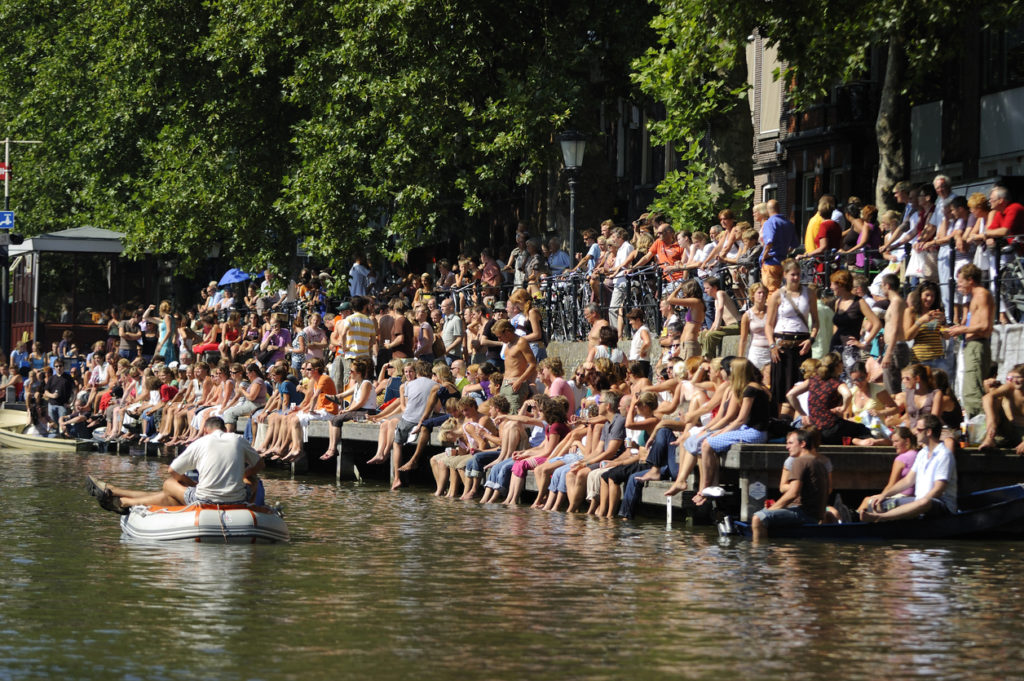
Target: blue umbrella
233, 276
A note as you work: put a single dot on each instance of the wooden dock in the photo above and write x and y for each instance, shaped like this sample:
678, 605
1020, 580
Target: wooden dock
751, 472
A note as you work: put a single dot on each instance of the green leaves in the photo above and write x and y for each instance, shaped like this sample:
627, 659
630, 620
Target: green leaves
258, 123
697, 72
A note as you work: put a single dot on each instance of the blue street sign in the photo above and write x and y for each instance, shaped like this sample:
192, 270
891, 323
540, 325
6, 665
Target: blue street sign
6, 219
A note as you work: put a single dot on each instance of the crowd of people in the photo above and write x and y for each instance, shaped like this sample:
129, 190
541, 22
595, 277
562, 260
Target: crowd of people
868, 359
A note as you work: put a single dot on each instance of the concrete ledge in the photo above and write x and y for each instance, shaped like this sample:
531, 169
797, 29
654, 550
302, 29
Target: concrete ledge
753, 469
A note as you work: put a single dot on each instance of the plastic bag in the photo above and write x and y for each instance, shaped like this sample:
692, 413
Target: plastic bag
976, 427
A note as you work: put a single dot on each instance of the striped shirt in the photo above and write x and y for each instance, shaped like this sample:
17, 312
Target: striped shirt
929, 343
359, 335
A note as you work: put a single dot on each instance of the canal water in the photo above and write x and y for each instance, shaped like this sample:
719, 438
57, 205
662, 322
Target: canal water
382, 585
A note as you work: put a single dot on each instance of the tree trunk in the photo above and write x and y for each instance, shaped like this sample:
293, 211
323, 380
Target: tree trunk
731, 147
888, 126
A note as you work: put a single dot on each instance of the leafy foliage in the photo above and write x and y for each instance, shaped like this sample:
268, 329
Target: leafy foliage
352, 124
696, 71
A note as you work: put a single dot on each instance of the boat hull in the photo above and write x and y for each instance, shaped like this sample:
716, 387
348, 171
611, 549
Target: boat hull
13, 422
993, 511
208, 523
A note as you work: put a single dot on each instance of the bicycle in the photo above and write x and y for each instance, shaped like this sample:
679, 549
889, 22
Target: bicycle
820, 277
565, 297
1009, 285
643, 291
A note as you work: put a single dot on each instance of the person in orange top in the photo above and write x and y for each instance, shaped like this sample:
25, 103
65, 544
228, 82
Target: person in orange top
666, 251
826, 206
315, 406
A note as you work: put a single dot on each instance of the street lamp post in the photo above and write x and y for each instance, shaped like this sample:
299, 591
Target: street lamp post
574, 144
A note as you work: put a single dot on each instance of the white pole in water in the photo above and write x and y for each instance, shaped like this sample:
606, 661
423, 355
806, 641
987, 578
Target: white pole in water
668, 511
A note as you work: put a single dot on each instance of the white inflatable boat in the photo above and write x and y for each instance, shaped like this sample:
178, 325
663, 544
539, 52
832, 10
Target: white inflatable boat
211, 523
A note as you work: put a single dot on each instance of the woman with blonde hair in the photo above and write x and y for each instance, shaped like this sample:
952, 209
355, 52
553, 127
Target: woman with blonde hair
746, 421
166, 333
425, 291
752, 328
526, 321
791, 324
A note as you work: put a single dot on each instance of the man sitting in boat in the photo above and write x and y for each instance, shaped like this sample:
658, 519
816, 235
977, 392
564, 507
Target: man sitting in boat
227, 466
806, 497
933, 478
1005, 400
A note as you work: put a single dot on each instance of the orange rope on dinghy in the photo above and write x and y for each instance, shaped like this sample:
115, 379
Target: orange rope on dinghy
208, 507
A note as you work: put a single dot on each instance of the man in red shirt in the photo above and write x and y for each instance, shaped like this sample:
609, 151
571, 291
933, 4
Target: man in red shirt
830, 237
667, 251
1007, 218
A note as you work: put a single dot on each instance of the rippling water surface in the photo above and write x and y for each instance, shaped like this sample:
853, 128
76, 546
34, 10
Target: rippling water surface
399, 586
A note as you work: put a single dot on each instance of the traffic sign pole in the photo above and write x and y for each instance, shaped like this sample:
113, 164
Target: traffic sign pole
5, 262
5, 275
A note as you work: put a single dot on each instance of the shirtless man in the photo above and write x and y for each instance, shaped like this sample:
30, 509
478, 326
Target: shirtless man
897, 352
385, 326
520, 365
977, 332
727, 318
1008, 398
592, 313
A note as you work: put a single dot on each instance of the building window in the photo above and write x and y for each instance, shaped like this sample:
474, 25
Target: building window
837, 185
770, 192
771, 92
810, 197
1002, 63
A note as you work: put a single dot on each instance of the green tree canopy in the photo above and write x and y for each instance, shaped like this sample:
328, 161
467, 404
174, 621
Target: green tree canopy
350, 125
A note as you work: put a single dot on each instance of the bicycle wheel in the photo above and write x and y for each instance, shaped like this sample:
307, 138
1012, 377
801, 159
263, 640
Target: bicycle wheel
1011, 290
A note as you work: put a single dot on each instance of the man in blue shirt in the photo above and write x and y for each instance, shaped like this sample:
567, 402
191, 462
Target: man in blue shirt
558, 260
779, 237
358, 277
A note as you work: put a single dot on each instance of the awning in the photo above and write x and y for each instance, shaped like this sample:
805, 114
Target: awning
75, 240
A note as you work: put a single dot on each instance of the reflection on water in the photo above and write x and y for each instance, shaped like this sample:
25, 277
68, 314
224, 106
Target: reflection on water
383, 585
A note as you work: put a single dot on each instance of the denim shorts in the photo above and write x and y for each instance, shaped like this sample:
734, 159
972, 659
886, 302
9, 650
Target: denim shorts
785, 517
190, 498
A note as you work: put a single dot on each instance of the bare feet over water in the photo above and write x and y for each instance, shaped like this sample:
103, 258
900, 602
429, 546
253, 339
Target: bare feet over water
376, 459
292, 456
650, 476
397, 483
405, 468
675, 489
699, 499
327, 456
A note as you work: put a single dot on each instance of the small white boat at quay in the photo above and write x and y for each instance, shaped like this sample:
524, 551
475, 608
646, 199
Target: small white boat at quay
16, 433
208, 523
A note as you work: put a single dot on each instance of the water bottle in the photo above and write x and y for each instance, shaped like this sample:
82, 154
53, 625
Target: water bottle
963, 434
